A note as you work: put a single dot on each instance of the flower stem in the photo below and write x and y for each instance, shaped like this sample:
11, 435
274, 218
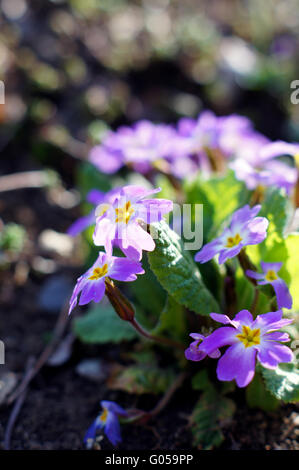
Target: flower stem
255, 300
158, 339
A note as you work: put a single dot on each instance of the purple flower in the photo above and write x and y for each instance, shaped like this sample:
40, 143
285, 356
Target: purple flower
249, 341
95, 197
139, 146
257, 164
91, 285
193, 353
245, 229
119, 223
108, 421
270, 276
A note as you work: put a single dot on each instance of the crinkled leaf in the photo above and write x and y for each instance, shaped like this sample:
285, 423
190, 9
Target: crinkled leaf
102, 325
177, 272
257, 396
283, 382
221, 196
211, 413
172, 321
141, 378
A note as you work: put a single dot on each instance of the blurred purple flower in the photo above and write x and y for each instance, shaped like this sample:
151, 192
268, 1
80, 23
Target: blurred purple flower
108, 420
245, 229
258, 164
249, 340
139, 146
270, 276
91, 285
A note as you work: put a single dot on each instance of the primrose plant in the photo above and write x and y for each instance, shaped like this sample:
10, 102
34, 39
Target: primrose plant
245, 276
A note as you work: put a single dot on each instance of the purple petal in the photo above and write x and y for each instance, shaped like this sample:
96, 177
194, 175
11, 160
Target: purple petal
243, 215
220, 318
138, 192
196, 336
152, 210
95, 196
237, 363
277, 336
113, 407
220, 337
244, 317
215, 354
273, 266
138, 238
277, 149
194, 354
105, 160
229, 253
270, 354
91, 434
92, 290
112, 429
123, 269
254, 274
284, 298
104, 233
81, 224
209, 251
256, 231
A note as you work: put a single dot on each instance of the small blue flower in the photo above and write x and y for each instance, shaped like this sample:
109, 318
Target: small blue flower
108, 421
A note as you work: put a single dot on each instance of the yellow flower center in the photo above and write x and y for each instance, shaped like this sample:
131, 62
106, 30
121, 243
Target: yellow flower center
271, 275
97, 273
104, 415
233, 241
123, 214
249, 337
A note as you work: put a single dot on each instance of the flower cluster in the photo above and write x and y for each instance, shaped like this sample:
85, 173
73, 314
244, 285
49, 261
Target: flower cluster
207, 143
249, 340
122, 219
118, 217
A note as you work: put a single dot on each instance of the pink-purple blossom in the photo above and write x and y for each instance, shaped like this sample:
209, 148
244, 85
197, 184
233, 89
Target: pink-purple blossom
139, 146
270, 276
256, 163
119, 223
193, 352
91, 285
108, 420
94, 197
249, 340
245, 229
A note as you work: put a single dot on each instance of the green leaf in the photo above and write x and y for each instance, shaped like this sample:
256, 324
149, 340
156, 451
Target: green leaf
172, 321
102, 325
177, 272
275, 209
292, 268
283, 382
221, 196
257, 396
211, 413
149, 296
141, 378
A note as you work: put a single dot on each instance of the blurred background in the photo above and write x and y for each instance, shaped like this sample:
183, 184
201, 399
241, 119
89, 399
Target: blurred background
71, 69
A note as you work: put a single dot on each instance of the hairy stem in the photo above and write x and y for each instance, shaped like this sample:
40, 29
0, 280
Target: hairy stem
158, 339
